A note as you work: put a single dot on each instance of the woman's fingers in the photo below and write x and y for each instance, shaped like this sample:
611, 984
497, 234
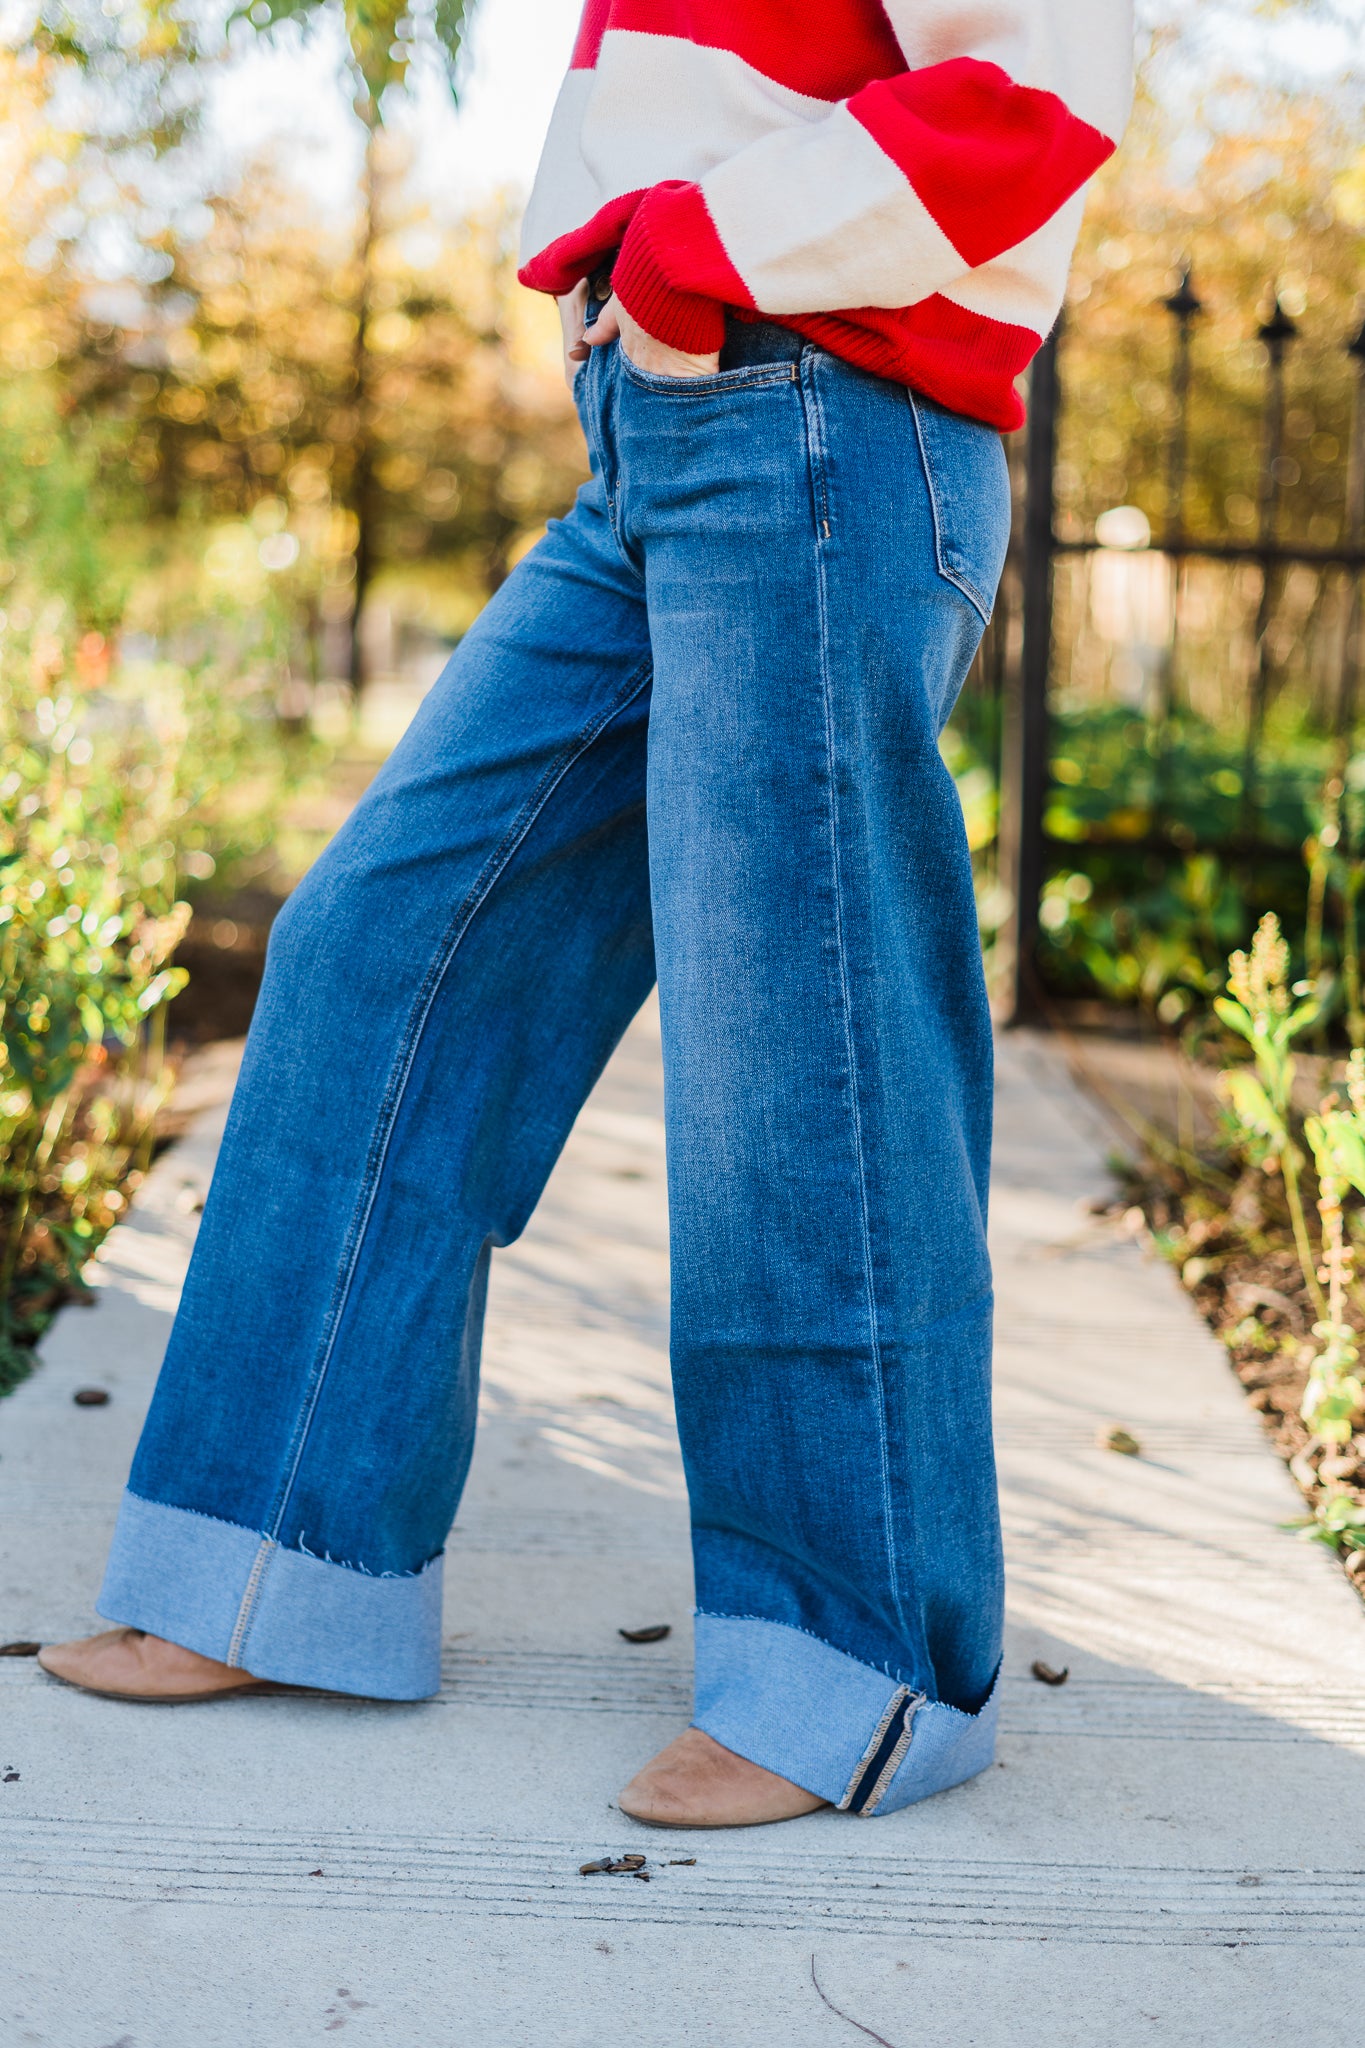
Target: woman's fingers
571, 310
644, 351
606, 327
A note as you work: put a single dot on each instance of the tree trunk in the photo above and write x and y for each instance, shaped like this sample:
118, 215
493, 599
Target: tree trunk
362, 467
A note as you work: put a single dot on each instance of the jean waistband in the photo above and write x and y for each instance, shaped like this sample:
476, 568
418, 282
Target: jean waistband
746, 341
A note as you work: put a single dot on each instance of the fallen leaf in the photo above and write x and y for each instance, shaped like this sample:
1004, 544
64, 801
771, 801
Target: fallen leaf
90, 1397
315, 1873
685, 1862
1047, 1674
10, 1778
1113, 1437
21, 1649
653, 1634
614, 1866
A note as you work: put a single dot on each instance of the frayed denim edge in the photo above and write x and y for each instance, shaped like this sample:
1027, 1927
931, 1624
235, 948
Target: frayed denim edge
342, 1564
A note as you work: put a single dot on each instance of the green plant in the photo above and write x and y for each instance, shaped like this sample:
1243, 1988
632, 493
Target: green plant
1262, 1009
1338, 1521
88, 924
1335, 1391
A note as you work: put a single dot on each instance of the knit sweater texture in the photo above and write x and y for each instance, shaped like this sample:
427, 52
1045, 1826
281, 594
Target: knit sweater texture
899, 180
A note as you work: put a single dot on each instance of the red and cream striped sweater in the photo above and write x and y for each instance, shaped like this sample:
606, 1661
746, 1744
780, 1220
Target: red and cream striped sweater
899, 180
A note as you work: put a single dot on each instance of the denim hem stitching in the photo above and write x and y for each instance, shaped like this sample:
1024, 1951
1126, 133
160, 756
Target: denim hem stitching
884, 1670
477, 895
794, 1628
956, 577
340, 1564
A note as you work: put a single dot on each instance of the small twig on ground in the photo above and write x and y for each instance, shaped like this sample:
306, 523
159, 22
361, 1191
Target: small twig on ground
840, 2014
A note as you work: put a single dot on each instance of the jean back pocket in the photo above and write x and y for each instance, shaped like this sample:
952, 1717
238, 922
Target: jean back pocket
969, 494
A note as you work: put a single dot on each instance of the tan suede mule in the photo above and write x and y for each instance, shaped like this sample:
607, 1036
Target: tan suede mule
128, 1664
696, 1783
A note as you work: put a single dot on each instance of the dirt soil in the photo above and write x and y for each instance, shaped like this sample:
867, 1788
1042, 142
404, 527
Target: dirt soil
1226, 1231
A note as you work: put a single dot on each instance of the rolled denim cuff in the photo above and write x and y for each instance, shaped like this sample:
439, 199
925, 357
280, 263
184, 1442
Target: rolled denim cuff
837, 1727
233, 1594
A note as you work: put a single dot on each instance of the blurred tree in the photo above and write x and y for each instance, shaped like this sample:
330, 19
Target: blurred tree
382, 38
231, 386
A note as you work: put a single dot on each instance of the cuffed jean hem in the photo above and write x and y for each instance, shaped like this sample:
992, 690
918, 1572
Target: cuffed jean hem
233, 1594
831, 1724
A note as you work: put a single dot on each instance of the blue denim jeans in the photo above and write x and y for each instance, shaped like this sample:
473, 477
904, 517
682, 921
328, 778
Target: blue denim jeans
694, 735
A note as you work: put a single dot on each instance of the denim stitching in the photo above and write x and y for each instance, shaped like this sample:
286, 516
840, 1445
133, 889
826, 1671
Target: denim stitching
392, 1103
171, 1507
794, 1628
597, 446
851, 1055
251, 1594
753, 377
343, 1564
954, 576
886, 1778
894, 1706
815, 446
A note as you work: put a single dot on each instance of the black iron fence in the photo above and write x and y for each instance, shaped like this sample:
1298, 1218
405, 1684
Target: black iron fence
1023, 663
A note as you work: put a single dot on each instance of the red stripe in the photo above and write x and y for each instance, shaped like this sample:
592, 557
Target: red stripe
991, 160
591, 29
961, 360
826, 52
559, 266
673, 237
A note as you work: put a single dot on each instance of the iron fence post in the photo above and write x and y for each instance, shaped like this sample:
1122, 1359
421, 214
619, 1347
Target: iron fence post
1024, 748
1276, 332
1352, 652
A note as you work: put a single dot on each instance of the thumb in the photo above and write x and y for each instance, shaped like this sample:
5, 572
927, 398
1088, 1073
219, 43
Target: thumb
606, 327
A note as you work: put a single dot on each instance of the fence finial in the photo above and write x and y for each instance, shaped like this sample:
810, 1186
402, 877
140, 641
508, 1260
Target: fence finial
1184, 302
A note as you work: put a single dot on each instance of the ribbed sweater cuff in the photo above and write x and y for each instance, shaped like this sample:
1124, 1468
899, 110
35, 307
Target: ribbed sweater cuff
686, 320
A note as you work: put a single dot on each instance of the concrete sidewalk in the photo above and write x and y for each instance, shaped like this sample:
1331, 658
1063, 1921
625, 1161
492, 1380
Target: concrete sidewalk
1168, 1851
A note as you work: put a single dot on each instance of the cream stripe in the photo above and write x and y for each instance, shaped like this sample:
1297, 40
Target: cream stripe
819, 218
656, 107
1080, 49
1026, 285
565, 193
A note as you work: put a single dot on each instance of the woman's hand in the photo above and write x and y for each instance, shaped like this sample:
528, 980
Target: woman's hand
614, 323
571, 310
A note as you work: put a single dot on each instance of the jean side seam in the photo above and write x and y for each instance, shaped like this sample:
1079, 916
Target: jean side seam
478, 894
251, 1594
850, 1051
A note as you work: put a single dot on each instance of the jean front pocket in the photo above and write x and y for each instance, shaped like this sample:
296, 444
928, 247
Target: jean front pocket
715, 384
969, 495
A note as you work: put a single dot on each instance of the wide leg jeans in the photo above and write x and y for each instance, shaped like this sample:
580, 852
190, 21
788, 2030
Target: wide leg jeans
694, 735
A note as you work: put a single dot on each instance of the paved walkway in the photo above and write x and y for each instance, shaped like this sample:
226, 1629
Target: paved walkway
1162, 1855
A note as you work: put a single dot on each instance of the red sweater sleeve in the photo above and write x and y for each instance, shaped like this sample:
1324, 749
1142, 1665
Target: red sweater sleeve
907, 185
